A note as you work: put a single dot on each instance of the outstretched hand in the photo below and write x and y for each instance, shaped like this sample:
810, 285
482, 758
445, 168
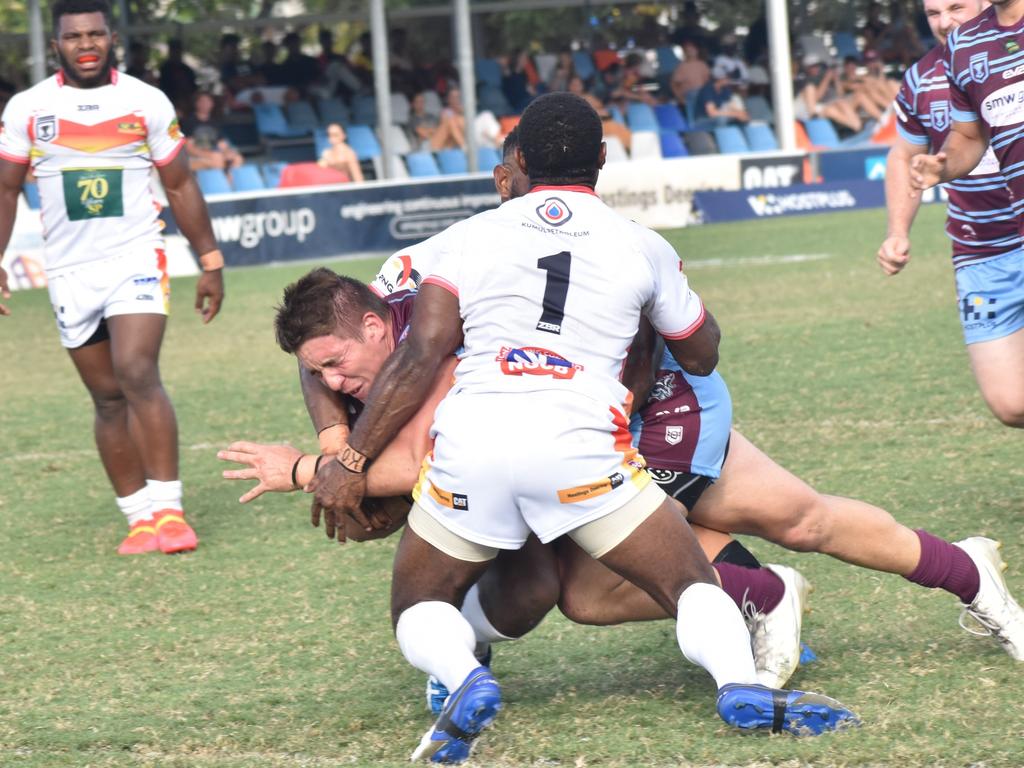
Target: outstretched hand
271, 465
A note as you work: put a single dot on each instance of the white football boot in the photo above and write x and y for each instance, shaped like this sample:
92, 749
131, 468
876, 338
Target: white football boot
775, 636
994, 609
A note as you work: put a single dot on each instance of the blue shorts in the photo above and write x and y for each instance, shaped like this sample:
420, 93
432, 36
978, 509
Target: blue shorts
990, 296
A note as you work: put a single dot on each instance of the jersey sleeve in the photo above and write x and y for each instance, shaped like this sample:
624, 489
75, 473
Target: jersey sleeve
961, 109
164, 136
447, 259
674, 310
15, 141
908, 123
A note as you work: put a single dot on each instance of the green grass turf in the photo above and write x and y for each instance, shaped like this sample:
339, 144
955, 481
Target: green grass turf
271, 646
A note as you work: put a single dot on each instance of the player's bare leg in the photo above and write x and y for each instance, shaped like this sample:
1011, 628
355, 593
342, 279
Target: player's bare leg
756, 496
998, 367
426, 587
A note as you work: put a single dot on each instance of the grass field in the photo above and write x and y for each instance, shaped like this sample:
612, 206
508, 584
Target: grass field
271, 646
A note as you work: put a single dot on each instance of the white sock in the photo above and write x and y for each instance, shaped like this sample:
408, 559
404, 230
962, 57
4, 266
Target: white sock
435, 639
711, 633
473, 612
136, 506
164, 494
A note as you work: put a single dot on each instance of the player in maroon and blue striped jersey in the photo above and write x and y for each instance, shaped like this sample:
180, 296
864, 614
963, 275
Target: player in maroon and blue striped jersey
984, 66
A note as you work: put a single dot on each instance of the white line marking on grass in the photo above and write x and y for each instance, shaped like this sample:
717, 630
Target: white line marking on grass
757, 261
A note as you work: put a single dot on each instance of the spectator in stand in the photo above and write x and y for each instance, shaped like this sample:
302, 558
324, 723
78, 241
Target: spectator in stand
337, 77
360, 58
882, 88
564, 71
874, 28
817, 95
235, 75
851, 84
206, 145
138, 63
339, 155
267, 68
631, 85
422, 124
692, 73
729, 58
177, 79
609, 125
692, 29
518, 80
720, 100
298, 70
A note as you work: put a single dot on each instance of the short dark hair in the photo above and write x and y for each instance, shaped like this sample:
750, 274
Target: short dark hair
324, 303
511, 144
70, 7
560, 137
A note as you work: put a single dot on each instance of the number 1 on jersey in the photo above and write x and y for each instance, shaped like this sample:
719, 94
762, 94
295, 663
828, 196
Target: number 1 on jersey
556, 288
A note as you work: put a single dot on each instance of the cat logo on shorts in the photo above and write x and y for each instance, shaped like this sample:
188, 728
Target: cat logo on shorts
46, 128
673, 435
535, 361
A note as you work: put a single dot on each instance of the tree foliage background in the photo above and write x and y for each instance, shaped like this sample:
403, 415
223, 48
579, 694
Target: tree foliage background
430, 38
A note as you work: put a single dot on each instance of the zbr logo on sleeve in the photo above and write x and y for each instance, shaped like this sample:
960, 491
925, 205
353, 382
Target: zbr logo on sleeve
554, 211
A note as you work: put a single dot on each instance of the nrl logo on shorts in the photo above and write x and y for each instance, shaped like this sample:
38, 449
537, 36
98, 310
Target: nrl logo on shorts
940, 115
673, 435
978, 66
46, 128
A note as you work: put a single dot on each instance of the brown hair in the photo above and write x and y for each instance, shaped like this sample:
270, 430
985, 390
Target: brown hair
324, 303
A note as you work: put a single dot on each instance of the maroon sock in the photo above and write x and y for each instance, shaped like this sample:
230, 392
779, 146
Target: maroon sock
754, 585
943, 565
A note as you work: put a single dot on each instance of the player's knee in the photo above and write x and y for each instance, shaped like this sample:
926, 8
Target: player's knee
583, 606
138, 378
1009, 411
806, 528
109, 404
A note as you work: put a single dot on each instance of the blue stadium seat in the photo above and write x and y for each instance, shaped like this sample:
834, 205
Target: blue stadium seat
302, 117
761, 137
333, 110
487, 158
700, 143
822, 133
730, 140
272, 174
846, 45
690, 105
320, 142
758, 108
672, 145
213, 181
616, 114
364, 109
422, 164
493, 99
641, 117
270, 121
583, 63
452, 161
242, 136
364, 141
488, 71
247, 178
670, 118
31, 190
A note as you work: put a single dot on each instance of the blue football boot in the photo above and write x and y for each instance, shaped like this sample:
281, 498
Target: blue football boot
437, 693
470, 708
753, 707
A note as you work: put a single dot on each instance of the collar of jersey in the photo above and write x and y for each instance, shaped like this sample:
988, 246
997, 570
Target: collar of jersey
568, 188
60, 77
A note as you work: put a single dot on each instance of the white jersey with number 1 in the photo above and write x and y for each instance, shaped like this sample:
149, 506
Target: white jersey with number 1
92, 151
551, 288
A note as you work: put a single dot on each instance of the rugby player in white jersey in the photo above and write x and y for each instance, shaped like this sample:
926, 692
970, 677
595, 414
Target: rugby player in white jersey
533, 435
984, 67
92, 136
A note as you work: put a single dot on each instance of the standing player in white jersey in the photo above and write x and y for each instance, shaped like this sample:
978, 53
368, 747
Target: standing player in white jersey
533, 435
92, 136
984, 66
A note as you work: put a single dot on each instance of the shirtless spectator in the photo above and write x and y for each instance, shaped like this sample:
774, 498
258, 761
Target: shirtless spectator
691, 74
883, 89
339, 155
852, 84
206, 145
817, 95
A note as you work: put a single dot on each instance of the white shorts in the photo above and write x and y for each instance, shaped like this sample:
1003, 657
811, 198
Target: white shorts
122, 285
504, 465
